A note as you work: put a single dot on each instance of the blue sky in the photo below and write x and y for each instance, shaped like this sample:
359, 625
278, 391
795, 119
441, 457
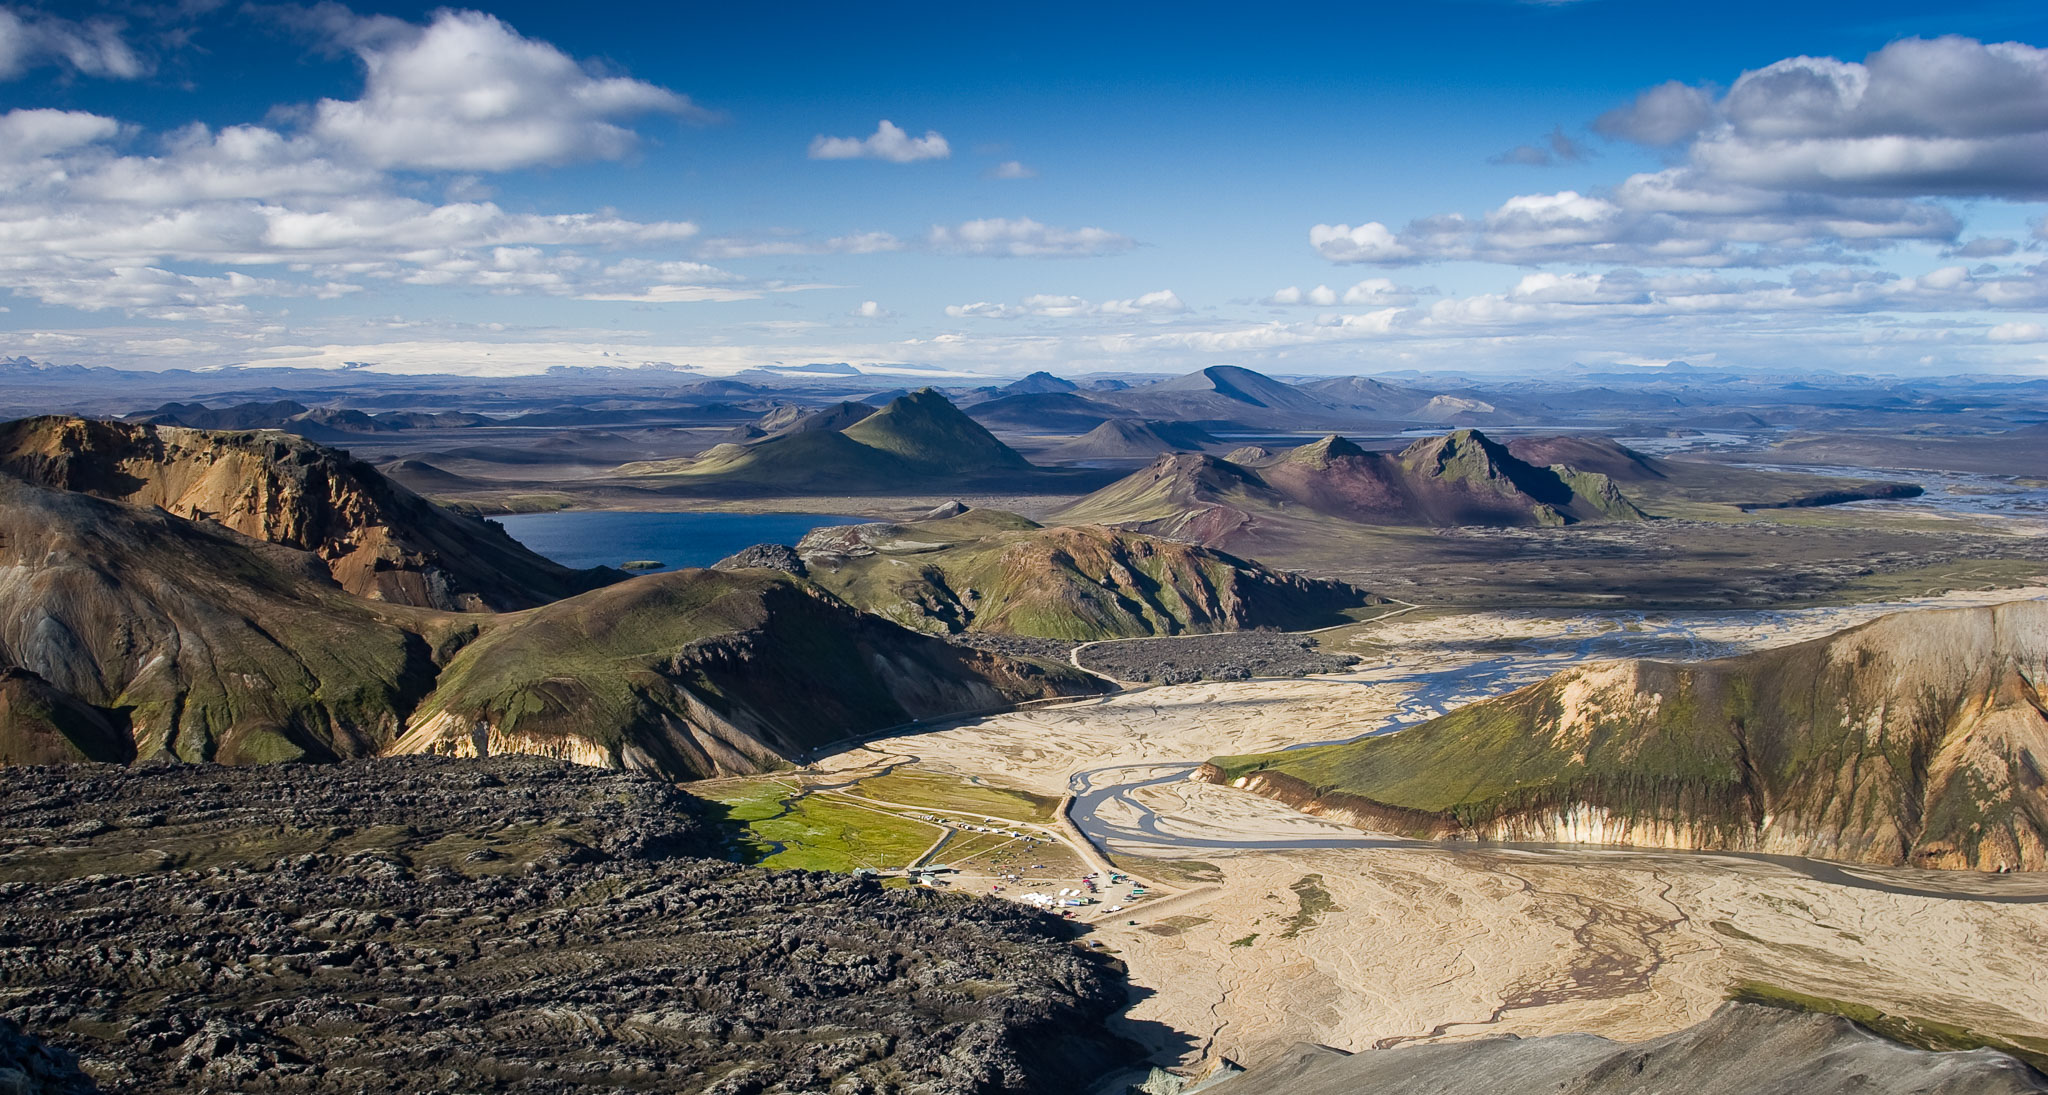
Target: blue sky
1480, 185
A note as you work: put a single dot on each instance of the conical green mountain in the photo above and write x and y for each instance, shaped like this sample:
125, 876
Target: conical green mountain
927, 430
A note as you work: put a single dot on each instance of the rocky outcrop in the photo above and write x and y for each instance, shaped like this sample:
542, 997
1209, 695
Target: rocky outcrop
377, 539
1743, 1049
131, 633
422, 925
780, 557
1919, 738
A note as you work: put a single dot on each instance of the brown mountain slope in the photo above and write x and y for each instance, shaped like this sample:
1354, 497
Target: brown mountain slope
378, 539
190, 642
1460, 478
1919, 738
696, 673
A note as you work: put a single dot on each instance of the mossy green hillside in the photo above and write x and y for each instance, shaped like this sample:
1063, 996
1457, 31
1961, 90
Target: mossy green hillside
1000, 574
1913, 739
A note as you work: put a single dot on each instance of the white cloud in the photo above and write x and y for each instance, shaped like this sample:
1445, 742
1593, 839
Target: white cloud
982, 309
1011, 169
888, 142
1371, 291
1661, 219
91, 48
1023, 237
739, 247
2018, 332
1162, 302
29, 135
869, 309
468, 93
1369, 242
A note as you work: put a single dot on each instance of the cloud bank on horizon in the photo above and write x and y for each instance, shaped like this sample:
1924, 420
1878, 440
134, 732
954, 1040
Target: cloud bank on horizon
457, 191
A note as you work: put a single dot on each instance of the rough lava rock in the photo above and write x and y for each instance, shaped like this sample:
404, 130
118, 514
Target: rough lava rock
518, 925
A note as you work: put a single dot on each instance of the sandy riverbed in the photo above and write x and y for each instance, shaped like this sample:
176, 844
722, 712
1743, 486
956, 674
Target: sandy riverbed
1441, 942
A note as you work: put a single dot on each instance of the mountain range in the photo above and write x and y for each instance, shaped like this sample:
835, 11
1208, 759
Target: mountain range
1460, 478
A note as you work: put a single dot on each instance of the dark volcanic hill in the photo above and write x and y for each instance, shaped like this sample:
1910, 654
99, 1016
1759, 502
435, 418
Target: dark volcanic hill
1919, 738
416, 925
1131, 438
1228, 395
379, 540
1742, 1049
1461, 478
697, 673
1039, 382
988, 571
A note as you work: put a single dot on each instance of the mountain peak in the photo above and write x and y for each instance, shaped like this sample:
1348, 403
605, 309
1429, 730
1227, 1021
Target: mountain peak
925, 428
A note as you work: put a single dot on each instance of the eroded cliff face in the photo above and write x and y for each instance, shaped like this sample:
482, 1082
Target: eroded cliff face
377, 539
1918, 739
139, 635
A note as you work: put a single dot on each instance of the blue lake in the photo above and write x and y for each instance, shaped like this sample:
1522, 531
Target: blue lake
592, 538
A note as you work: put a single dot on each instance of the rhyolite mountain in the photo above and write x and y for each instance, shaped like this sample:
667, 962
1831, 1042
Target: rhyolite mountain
697, 673
129, 633
376, 538
151, 636
1460, 478
1919, 738
989, 571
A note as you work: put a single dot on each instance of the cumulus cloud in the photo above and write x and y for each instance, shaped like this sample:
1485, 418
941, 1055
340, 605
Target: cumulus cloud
1163, 302
469, 93
1011, 169
91, 48
888, 142
2018, 332
869, 309
1806, 160
1023, 237
96, 215
1950, 115
1668, 114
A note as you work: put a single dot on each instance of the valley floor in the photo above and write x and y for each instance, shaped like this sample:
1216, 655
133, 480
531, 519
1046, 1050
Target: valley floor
1264, 926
